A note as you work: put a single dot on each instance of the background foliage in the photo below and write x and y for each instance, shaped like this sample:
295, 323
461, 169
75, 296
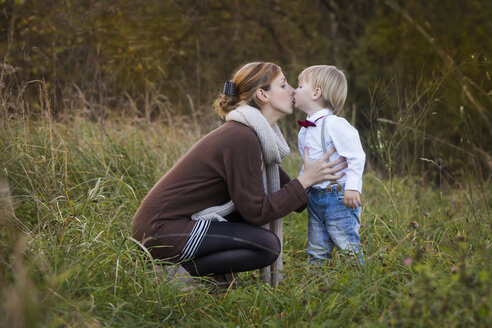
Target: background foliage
418, 70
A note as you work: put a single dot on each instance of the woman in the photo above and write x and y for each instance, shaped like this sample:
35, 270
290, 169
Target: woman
231, 174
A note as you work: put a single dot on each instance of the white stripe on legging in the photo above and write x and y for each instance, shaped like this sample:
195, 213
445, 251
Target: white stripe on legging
196, 237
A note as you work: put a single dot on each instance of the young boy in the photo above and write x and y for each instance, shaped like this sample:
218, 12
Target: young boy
333, 207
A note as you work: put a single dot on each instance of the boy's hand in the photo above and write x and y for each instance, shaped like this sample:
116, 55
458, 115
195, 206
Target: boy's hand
351, 199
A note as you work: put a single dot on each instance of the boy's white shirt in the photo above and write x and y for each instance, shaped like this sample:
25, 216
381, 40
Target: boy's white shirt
341, 135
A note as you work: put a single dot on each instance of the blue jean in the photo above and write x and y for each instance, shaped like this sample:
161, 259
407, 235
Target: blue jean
331, 224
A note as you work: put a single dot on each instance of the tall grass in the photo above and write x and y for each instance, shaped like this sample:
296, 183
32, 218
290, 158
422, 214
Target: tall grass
69, 189
404, 135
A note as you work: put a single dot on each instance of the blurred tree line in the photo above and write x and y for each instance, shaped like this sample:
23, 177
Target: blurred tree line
418, 71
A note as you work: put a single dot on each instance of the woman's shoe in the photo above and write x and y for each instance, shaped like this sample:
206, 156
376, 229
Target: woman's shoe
177, 276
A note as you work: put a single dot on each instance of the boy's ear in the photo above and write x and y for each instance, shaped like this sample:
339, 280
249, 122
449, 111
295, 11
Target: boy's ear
317, 94
261, 95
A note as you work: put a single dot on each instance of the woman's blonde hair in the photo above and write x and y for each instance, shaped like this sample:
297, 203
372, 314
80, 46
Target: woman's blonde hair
248, 79
331, 82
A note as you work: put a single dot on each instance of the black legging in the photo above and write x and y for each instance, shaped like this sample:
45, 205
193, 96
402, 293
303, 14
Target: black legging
233, 247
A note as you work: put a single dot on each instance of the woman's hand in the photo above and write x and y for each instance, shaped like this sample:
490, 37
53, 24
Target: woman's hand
320, 170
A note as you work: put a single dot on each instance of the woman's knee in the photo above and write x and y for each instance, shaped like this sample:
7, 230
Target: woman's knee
272, 246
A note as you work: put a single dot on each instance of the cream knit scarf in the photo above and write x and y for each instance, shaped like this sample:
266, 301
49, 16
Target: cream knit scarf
273, 149
273, 145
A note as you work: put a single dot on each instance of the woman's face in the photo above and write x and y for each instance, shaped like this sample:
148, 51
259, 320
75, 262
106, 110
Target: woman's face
281, 95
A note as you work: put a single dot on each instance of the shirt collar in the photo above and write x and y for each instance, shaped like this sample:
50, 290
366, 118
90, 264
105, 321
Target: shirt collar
320, 113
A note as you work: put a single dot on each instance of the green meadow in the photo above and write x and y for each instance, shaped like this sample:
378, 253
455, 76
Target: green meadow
98, 99
70, 189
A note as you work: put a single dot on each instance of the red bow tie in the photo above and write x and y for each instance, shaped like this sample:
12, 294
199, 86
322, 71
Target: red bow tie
306, 123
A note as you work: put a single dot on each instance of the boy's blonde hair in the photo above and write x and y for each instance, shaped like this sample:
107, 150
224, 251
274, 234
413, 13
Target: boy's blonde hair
331, 81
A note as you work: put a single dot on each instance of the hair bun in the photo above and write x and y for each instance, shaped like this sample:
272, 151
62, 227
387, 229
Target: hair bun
242, 87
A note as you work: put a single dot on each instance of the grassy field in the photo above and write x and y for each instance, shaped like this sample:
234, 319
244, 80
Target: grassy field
69, 191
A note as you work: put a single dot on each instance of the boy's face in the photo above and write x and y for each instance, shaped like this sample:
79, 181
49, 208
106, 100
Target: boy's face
303, 96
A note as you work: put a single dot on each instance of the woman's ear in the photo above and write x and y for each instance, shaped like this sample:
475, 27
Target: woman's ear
317, 94
261, 95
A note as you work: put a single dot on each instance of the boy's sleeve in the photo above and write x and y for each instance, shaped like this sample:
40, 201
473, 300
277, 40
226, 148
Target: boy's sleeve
347, 143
